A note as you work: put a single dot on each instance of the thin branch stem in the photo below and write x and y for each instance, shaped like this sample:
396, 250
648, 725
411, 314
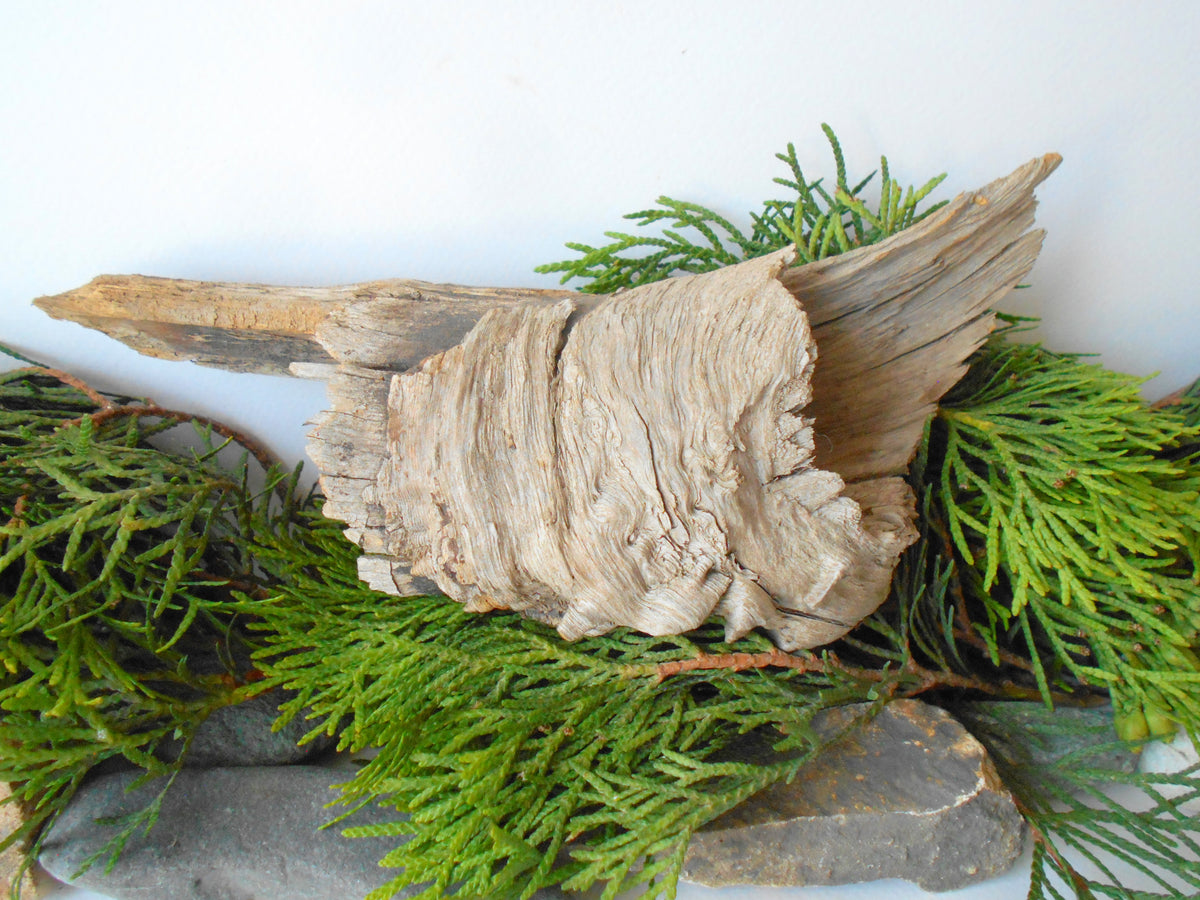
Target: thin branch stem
19, 507
109, 410
252, 589
72, 381
919, 679
264, 456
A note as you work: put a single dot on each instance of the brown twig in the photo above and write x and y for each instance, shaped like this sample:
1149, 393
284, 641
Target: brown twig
19, 510
264, 456
109, 410
1173, 399
913, 679
71, 381
251, 589
964, 628
743, 661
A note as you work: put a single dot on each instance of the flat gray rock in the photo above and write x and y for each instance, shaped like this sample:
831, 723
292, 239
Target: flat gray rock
245, 833
911, 794
250, 833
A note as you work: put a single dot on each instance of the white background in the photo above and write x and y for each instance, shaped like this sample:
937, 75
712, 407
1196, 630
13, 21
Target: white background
325, 143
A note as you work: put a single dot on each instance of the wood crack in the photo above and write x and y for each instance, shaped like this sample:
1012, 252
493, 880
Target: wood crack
722, 444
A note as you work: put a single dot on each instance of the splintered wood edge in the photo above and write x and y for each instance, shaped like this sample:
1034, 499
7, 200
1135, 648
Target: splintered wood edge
266, 328
878, 315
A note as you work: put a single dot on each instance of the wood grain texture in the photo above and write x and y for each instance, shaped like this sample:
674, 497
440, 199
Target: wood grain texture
729, 444
880, 318
640, 461
266, 328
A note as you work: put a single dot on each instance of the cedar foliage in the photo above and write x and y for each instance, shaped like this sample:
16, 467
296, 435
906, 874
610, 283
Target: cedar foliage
520, 761
818, 221
1076, 522
526, 762
116, 560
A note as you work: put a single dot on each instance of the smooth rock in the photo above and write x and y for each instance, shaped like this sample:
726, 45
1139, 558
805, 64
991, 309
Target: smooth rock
910, 794
244, 833
249, 833
241, 735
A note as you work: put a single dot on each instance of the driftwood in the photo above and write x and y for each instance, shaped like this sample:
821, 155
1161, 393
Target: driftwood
727, 444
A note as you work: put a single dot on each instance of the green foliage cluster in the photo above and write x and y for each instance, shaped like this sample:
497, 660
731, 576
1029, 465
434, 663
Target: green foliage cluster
1075, 522
115, 564
516, 762
1057, 561
526, 762
819, 221
506, 745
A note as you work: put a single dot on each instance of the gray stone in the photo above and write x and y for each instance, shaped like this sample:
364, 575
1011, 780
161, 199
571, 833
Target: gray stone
910, 794
1023, 734
241, 735
246, 833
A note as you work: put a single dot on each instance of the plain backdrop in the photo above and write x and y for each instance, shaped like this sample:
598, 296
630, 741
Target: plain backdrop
322, 143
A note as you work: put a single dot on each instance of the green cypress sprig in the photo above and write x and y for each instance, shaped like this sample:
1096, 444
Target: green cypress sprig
525, 761
819, 221
1096, 826
508, 746
116, 560
1075, 523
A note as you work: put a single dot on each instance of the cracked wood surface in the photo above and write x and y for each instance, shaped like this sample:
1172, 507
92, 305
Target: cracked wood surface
727, 444
266, 328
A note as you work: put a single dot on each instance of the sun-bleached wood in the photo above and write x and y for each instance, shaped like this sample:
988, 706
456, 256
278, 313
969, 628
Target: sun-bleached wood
727, 444
266, 328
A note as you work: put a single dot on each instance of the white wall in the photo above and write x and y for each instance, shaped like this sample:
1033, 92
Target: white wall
324, 143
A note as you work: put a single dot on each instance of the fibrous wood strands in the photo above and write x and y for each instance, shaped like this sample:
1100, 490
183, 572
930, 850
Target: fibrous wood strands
729, 444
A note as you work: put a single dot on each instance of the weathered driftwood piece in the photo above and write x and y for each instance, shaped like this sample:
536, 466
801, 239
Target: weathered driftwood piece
266, 328
725, 444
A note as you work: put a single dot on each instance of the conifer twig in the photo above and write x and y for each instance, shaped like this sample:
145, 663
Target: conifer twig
19, 507
67, 378
1079, 883
265, 457
923, 679
108, 410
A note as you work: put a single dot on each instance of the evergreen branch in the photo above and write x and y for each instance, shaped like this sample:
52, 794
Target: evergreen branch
523, 761
1074, 517
116, 561
910, 681
1066, 802
68, 379
260, 452
817, 223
